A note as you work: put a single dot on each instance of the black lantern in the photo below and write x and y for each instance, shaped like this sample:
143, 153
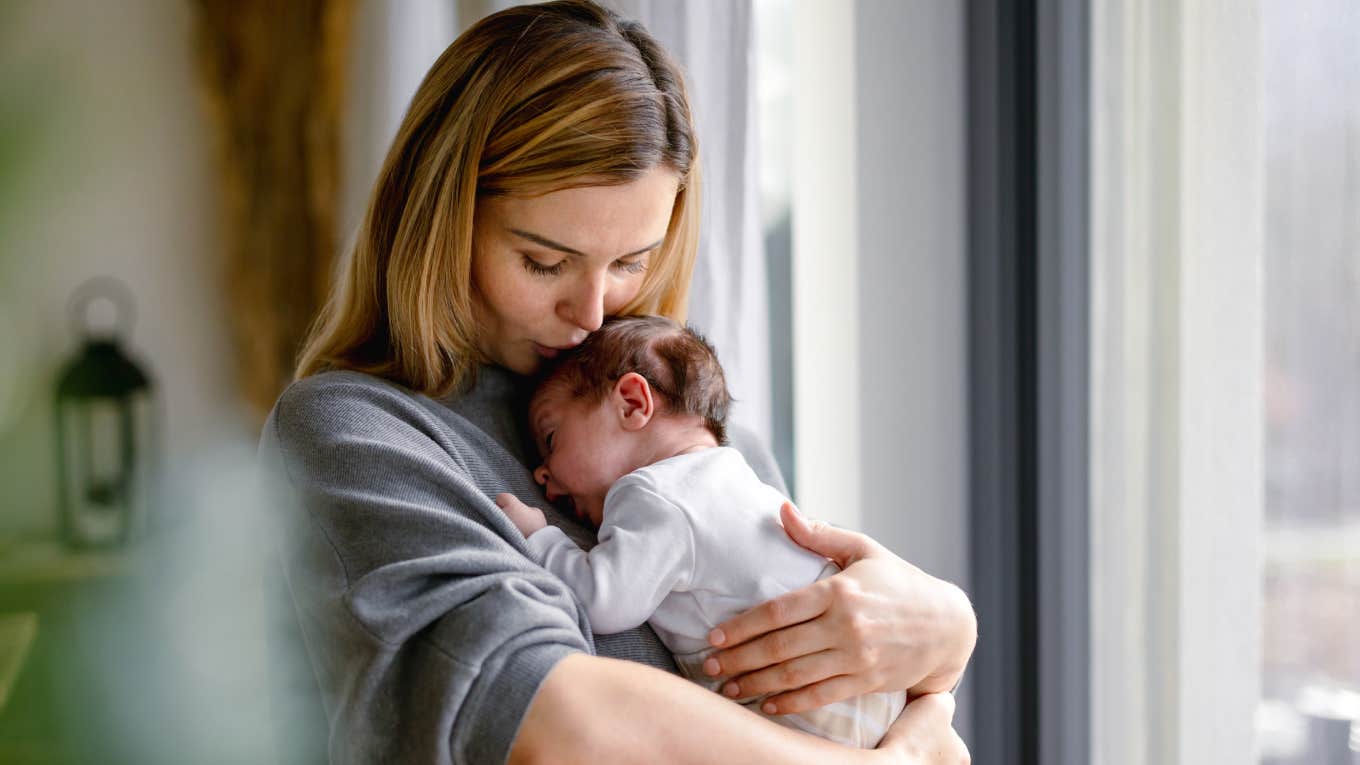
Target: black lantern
105, 429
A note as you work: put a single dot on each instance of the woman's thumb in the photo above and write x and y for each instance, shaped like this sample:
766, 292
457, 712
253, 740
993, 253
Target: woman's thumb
843, 547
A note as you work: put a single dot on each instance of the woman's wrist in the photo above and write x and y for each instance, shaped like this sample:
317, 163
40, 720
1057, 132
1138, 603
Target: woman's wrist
964, 632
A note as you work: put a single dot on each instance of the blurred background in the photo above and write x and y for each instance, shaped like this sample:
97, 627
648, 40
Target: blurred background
1058, 299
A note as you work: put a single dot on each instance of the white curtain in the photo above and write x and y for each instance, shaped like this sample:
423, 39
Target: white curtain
713, 40
395, 43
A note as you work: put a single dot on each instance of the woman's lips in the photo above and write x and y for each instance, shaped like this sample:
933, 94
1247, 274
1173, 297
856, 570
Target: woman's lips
548, 351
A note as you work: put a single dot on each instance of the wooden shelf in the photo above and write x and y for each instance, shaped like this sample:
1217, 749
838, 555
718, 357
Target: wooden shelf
48, 561
17, 632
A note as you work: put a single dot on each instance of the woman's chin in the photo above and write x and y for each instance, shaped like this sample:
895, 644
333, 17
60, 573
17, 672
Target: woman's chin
521, 362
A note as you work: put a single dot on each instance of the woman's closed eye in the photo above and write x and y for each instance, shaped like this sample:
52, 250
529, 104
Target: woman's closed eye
539, 268
631, 266
542, 269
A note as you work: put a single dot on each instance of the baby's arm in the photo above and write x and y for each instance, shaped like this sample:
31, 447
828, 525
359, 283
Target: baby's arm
645, 551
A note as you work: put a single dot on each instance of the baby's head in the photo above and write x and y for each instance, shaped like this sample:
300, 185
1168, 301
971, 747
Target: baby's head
638, 390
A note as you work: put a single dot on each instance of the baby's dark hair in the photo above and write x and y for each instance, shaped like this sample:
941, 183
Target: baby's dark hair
675, 360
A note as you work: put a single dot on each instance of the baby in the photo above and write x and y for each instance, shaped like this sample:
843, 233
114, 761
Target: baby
631, 426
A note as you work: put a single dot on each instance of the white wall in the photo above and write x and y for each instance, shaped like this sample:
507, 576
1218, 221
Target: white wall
913, 342
120, 183
394, 44
911, 135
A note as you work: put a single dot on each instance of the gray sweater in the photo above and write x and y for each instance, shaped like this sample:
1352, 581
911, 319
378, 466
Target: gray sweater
428, 627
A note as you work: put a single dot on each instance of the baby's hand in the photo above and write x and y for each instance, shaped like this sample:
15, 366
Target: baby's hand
526, 519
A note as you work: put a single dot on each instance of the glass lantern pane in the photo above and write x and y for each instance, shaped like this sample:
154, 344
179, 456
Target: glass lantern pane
107, 452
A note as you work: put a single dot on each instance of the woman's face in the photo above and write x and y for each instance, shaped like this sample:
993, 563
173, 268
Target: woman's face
546, 270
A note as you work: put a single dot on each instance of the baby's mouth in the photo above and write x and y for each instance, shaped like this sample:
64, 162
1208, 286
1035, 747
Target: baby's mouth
581, 514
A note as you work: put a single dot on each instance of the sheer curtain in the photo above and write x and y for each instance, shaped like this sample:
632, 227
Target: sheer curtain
713, 40
1177, 392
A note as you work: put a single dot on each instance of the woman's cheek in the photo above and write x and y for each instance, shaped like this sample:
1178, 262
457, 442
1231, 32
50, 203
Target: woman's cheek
621, 295
529, 296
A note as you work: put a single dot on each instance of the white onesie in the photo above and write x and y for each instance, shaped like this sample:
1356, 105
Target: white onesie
686, 544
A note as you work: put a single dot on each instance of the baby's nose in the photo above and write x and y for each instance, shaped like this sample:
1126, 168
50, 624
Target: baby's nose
541, 475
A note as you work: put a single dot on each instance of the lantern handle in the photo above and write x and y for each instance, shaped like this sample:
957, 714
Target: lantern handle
108, 288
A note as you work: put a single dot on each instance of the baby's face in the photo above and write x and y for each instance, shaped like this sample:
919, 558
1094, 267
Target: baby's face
583, 447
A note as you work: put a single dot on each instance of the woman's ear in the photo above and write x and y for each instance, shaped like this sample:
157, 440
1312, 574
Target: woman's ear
632, 399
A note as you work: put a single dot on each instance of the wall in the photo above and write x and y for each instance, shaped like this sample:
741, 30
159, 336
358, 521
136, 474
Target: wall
116, 181
395, 42
909, 68
910, 135
116, 177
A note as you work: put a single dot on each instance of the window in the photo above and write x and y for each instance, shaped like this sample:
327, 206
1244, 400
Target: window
1310, 704
774, 94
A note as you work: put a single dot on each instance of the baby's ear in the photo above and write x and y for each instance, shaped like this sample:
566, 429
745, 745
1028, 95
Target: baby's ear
632, 399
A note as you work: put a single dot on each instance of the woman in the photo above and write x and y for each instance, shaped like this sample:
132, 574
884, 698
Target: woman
545, 176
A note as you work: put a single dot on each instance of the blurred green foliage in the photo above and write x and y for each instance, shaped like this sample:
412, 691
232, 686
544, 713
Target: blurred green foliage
30, 93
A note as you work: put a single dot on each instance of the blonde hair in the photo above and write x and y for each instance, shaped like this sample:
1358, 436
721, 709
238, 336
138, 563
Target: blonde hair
529, 100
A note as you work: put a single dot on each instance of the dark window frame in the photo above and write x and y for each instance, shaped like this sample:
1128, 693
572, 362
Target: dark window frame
1028, 181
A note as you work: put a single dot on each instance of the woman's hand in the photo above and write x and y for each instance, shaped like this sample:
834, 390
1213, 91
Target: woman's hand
924, 734
881, 624
526, 519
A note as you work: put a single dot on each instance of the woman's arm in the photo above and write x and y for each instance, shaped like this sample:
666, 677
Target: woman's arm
432, 635
881, 624
592, 709
427, 628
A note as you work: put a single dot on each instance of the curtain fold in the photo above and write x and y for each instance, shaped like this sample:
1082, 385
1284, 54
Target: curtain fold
272, 80
714, 41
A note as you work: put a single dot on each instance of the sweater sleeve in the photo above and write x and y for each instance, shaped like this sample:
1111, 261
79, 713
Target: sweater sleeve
646, 550
428, 628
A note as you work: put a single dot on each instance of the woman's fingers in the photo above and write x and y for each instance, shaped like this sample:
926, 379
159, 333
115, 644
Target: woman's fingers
786, 610
768, 651
819, 694
786, 675
843, 547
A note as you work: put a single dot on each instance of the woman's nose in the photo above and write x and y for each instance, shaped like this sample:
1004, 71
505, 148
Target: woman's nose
585, 306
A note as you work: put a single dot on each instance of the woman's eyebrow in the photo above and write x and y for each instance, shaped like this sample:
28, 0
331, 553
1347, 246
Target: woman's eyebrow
550, 244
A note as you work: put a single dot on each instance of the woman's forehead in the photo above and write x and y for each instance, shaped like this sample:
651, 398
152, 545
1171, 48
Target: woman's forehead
606, 221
